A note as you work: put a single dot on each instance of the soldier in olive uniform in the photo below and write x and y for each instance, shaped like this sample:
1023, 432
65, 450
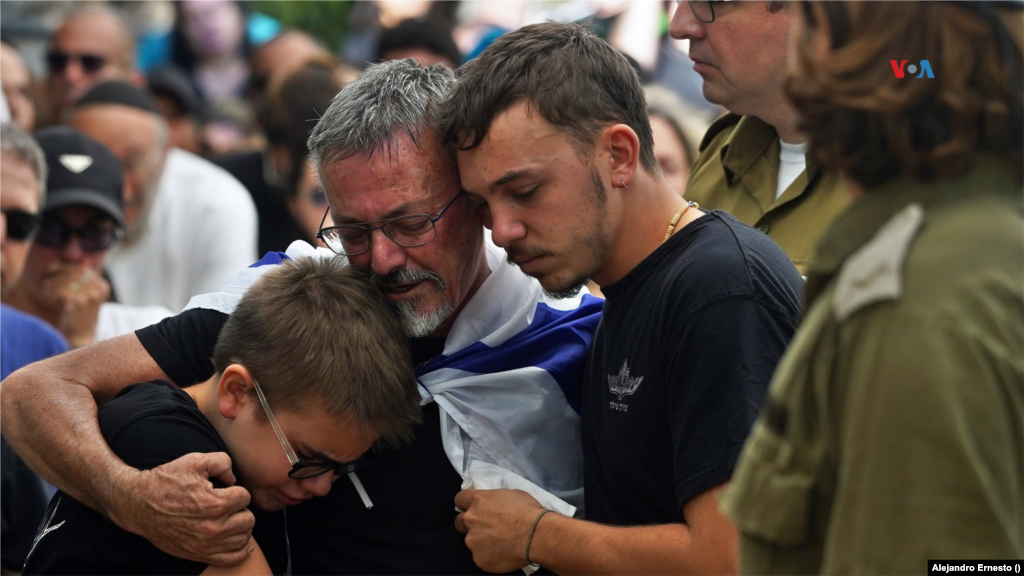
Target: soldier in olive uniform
894, 432
752, 161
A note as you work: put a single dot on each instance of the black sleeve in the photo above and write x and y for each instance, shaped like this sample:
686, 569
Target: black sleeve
183, 345
24, 502
78, 540
728, 352
158, 439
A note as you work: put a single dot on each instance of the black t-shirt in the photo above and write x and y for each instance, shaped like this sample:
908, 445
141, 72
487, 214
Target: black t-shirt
146, 425
24, 502
679, 367
410, 528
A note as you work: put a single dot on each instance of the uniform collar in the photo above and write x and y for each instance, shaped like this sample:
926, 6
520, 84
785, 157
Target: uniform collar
748, 142
751, 139
855, 227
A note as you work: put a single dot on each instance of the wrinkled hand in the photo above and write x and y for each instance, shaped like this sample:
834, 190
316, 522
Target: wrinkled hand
80, 292
496, 524
176, 507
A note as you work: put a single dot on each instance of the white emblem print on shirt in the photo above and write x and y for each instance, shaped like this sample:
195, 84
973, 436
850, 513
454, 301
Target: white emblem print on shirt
45, 528
623, 385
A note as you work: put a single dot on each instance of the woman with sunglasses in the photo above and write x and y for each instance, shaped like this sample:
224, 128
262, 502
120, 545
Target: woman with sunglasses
63, 280
892, 434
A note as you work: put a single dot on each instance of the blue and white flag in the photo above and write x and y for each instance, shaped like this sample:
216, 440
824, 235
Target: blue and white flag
508, 382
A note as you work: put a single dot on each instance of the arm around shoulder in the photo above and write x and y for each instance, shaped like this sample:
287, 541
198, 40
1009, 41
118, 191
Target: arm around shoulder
48, 413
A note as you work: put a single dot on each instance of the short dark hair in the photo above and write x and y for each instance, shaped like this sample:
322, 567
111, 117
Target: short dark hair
577, 82
418, 33
316, 332
293, 110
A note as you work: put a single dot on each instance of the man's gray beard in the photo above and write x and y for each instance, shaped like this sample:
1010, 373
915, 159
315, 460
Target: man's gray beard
416, 324
136, 232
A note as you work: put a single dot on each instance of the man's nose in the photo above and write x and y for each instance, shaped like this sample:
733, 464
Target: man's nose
505, 226
385, 255
72, 250
319, 485
73, 73
3, 229
684, 24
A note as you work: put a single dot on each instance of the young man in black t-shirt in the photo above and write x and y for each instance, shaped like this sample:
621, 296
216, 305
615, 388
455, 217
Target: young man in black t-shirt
295, 402
556, 151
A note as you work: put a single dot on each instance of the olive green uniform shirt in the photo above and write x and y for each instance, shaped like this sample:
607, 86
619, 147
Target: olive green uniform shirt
738, 170
893, 432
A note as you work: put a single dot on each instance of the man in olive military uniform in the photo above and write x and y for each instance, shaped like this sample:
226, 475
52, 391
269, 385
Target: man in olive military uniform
752, 161
894, 429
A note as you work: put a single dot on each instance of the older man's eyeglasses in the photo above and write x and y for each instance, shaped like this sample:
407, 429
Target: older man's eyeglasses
408, 231
303, 468
704, 11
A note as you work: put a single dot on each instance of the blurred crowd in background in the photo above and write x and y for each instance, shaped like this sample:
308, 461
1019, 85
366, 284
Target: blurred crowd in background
207, 105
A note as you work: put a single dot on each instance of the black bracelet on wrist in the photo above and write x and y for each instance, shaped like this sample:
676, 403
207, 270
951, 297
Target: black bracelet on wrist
529, 538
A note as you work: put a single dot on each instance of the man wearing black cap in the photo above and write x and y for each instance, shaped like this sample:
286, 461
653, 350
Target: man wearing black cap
180, 106
82, 218
189, 224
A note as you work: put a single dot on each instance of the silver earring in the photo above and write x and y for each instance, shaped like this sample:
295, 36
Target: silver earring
623, 184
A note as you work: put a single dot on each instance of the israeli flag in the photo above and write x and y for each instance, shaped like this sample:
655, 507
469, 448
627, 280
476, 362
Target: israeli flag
508, 382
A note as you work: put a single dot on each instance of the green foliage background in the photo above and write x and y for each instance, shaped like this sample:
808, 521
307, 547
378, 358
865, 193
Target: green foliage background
327, 20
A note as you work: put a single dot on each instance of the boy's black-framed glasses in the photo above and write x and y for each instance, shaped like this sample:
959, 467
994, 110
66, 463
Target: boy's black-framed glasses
407, 231
704, 10
302, 469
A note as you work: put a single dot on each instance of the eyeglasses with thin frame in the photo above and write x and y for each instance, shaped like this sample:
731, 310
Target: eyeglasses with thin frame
58, 62
21, 225
407, 231
302, 469
704, 10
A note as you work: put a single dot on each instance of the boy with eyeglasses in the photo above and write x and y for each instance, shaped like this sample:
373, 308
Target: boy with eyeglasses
312, 369
82, 218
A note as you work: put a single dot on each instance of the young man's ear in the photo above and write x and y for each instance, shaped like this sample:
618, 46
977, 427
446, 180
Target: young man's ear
623, 146
234, 391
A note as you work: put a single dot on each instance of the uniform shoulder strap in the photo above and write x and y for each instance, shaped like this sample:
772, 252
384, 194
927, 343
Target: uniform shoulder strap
874, 273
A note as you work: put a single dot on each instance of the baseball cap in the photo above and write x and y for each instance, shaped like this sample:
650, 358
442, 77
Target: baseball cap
82, 172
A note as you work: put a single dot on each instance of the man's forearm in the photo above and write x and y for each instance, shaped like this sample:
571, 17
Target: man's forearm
706, 545
569, 546
48, 415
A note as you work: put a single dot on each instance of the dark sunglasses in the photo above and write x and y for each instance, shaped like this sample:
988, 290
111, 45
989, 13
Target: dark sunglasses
96, 236
58, 61
21, 225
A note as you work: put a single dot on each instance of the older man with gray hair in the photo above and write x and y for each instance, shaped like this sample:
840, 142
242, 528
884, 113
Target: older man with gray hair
24, 338
499, 365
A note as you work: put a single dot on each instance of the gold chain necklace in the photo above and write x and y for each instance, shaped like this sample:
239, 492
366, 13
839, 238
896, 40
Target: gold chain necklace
675, 219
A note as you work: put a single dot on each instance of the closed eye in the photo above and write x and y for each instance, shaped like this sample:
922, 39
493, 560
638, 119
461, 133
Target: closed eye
522, 196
